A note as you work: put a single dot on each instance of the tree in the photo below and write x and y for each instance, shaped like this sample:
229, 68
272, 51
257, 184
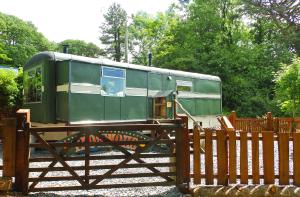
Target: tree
147, 32
79, 47
113, 31
20, 39
285, 15
288, 88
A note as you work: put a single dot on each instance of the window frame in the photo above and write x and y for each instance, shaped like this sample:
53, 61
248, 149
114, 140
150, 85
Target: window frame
180, 83
42, 77
112, 77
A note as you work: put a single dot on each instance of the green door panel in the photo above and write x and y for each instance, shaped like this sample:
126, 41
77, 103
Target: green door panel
112, 108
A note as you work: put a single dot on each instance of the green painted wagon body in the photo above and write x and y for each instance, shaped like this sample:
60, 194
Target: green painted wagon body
61, 87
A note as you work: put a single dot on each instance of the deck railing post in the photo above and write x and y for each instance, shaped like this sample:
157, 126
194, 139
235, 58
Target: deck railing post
232, 119
183, 157
22, 151
269, 121
9, 146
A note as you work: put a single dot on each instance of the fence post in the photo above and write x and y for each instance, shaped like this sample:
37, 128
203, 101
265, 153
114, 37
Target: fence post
183, 157
22, 151
232, 119
269, 121
9, 146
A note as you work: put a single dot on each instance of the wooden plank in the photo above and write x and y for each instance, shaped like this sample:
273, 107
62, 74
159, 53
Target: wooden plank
208, 157
108, 186
113, 176
283, 150
268, 156
255, 156
296, 158
244, 157
9, 146
122, 127
197, 162
103, 157
232, 156
100, 167
222, 158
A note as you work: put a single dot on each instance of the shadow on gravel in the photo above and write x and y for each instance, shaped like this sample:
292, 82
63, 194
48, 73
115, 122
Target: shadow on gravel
170, 193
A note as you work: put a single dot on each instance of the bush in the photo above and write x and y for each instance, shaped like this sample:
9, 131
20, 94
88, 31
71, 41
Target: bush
10, 89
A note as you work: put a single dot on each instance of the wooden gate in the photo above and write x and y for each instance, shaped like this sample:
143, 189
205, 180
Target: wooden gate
96, 169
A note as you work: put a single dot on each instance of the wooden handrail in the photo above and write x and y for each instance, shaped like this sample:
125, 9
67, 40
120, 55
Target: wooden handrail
189, 115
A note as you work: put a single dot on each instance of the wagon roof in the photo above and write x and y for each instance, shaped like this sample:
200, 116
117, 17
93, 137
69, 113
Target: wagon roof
55, 56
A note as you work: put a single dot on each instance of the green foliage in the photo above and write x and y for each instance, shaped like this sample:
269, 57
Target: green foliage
113, 31
10, 89
79, 47
288, 88
211, 36
20, 40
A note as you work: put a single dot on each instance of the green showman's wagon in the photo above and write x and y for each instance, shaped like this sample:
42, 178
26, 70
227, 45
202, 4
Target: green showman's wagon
61, 87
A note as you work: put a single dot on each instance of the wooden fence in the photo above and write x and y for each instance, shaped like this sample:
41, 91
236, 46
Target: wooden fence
266, 123
256, 157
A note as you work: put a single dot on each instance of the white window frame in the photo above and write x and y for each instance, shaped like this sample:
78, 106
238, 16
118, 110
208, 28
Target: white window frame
123, 78
184, 84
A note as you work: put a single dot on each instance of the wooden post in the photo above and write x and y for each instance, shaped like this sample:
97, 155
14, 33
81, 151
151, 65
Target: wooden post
255, 156
296, 158
197, 156
209, 177
222, 158
269, 121
268, 157
232, 119
244, 157
283, 149
183, 157
9, 146
232, 156
22, 152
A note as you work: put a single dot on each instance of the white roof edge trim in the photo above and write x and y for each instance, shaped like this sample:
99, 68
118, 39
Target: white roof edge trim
102, 61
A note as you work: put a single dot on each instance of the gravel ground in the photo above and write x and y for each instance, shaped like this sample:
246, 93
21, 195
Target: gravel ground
134, 191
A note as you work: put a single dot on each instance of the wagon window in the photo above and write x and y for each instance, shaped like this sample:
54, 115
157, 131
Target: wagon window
113, 81
185, 86
33, 85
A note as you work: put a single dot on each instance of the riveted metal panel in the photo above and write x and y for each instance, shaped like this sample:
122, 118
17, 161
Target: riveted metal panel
85, 107
134, 108
62, 106
206, 86
155, 81
136, 78
112, 108
85, 73
62, 73
208, 106
189, 105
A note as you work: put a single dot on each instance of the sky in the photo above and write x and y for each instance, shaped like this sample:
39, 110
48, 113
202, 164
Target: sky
74, 19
